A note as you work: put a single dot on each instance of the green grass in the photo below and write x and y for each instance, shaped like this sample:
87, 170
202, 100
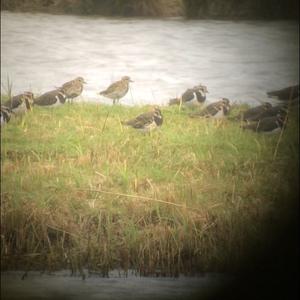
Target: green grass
79, 190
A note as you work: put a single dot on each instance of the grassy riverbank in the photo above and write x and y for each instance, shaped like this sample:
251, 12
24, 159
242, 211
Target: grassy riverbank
79, 190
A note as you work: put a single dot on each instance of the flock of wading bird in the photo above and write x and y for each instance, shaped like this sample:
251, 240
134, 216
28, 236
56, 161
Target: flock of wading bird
262, 118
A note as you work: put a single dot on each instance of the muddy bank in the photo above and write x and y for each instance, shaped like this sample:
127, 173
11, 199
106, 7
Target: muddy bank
213, 9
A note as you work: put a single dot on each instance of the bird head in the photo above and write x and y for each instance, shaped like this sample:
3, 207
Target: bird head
281, 119
29, 96
267, 105
156, 109
225, 101
28, 100
225, 105
80, 80
157, 115
126, 78
201, 87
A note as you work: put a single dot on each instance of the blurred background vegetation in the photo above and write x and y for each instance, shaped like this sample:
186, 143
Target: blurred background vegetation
216, 9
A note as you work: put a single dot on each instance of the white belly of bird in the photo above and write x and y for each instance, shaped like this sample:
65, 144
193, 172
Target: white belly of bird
57, 103
2, 120
276, 130
193, 103
148, 127
219, 114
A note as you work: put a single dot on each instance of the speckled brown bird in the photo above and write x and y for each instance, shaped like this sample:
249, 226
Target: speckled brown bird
73, 88
215, 110
117, 90
147, 121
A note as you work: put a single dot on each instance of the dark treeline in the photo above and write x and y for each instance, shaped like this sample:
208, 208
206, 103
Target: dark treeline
215, 9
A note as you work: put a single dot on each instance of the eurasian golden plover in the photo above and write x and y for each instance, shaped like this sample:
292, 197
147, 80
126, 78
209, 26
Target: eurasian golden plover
73, 88
117, 90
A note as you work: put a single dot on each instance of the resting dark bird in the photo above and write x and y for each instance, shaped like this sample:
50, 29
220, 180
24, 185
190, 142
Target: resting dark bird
288, 93
267, 125
51, 99
192, 97
254, 112
6, 114
271, 112
146, 122
20, 104
214, 110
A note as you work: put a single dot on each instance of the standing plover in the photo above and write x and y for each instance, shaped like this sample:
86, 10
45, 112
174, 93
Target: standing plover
117, 90
192, 97
147, 121
214, 110
73, 88
52, 98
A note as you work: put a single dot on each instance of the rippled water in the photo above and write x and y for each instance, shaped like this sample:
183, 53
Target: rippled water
239, 60
60, 285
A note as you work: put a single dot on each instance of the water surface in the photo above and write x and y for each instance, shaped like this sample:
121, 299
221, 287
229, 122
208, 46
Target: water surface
60, 285
238, 60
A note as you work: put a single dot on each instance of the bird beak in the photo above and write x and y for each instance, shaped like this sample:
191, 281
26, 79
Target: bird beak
85, 82
131, 80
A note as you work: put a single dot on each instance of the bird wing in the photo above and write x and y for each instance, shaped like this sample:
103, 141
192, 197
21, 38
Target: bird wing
267, 124
14, 102
47, 98
111, 88
285, 93
67, 84
210, 110
73, 90
253, 113
271, 112
188, 95
252, 126
141, 120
